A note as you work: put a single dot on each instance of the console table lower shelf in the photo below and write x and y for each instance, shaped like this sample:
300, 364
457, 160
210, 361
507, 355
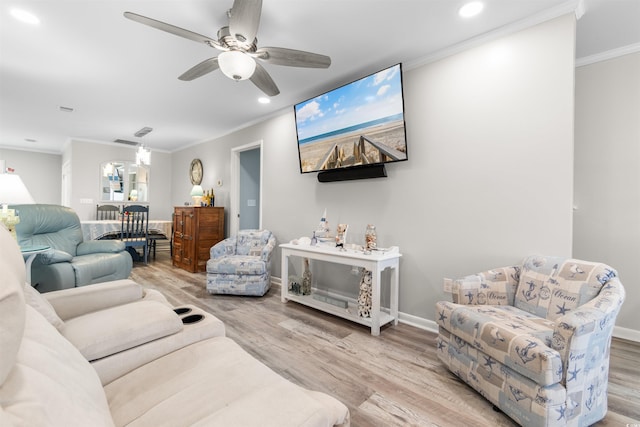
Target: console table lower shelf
350, 313
375, 262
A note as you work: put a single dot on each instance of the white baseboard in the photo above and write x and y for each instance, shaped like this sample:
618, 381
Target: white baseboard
626, 334
432, 326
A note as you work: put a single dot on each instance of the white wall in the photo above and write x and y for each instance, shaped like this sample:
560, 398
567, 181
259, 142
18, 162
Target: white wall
607, 173
86, 157
489, 178
40, 173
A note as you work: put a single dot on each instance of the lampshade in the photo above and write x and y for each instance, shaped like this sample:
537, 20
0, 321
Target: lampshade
197, 191
13, 190
196, 194
236, 65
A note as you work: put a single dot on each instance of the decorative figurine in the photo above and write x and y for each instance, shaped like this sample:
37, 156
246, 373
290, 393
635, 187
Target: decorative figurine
364, 297
341, 236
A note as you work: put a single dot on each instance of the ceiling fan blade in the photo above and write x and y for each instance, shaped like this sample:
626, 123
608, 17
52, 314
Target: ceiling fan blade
245, 20
171, 29
263, 81
206, 66
292, 57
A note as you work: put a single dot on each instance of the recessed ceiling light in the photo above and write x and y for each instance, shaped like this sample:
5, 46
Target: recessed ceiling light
264, 100
471, 9
24, 16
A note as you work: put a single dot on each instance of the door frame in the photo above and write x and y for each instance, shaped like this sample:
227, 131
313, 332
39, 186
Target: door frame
234, 196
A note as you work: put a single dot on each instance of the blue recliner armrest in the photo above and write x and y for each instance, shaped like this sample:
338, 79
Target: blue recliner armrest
100, 246
53, 256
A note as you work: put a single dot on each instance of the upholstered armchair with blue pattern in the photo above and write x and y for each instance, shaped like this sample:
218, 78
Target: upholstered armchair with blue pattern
241, 265
534, 339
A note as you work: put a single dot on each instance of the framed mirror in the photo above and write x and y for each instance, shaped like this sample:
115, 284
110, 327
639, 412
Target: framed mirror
122, 181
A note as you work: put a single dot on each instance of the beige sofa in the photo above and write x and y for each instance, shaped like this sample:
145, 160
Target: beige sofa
185, 377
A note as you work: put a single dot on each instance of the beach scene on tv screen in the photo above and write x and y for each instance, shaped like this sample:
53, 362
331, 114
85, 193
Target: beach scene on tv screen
357, 124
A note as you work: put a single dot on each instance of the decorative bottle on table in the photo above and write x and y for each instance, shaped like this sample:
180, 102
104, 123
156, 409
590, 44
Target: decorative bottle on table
371, 239
306, 278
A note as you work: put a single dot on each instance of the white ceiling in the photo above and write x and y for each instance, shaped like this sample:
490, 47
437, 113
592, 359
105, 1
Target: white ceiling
120, 76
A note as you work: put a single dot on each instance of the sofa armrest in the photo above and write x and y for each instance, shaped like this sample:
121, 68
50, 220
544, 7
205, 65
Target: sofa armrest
223, 247
495, 287
593, 321
100, 246
74, 302
267, 250
53, 256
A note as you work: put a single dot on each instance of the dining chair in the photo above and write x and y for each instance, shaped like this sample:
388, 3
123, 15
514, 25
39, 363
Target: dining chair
135, 229
107, 212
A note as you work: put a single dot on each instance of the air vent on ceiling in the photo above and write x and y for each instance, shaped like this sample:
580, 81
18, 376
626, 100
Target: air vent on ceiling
125, 142
142, 132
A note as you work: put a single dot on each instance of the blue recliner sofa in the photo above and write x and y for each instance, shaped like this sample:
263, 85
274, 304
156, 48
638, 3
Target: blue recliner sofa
70, 262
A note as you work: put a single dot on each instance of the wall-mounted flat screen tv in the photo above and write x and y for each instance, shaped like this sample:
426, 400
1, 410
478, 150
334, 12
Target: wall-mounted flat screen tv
358, 124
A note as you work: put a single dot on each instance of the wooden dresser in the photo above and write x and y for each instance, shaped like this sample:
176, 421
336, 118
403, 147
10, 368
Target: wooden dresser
195, 230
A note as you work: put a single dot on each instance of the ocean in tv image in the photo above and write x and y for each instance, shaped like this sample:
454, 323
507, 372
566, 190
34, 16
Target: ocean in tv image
356, 124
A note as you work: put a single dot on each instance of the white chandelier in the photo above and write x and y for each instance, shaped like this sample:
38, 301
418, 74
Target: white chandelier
143, 156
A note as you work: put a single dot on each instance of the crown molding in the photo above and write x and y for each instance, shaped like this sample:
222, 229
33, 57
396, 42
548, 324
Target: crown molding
530, 21
609, 54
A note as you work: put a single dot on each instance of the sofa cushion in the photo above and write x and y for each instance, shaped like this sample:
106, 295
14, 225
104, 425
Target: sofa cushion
117, 365
237, 264
551, 287
511, 336
51, 384
42, 306
74, 302
251, 242
189, 387
109, 331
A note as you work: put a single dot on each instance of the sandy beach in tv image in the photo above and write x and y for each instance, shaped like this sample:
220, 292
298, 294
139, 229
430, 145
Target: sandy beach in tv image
359, 123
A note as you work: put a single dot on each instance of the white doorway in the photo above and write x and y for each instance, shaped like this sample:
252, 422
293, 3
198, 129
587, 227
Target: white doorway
246, 187
65, 199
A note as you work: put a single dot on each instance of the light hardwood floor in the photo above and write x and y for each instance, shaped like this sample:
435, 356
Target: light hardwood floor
395, 379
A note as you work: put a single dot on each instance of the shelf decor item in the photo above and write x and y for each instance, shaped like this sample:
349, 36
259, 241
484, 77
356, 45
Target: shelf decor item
364, 297
370, 239
306, 278
294, 285
341, 235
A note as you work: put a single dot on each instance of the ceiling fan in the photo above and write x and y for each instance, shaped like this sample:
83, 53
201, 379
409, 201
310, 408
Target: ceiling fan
238, 44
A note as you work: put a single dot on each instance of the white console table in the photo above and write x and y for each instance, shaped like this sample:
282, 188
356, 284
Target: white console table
376, 262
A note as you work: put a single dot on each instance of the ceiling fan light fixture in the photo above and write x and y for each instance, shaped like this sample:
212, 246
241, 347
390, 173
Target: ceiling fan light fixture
236, 65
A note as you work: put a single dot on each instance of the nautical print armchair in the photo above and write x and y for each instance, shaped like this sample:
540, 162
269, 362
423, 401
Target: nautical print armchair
534, 338
241, 265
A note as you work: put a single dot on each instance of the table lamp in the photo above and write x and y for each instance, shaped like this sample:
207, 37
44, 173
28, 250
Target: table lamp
196, 194
12, 192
